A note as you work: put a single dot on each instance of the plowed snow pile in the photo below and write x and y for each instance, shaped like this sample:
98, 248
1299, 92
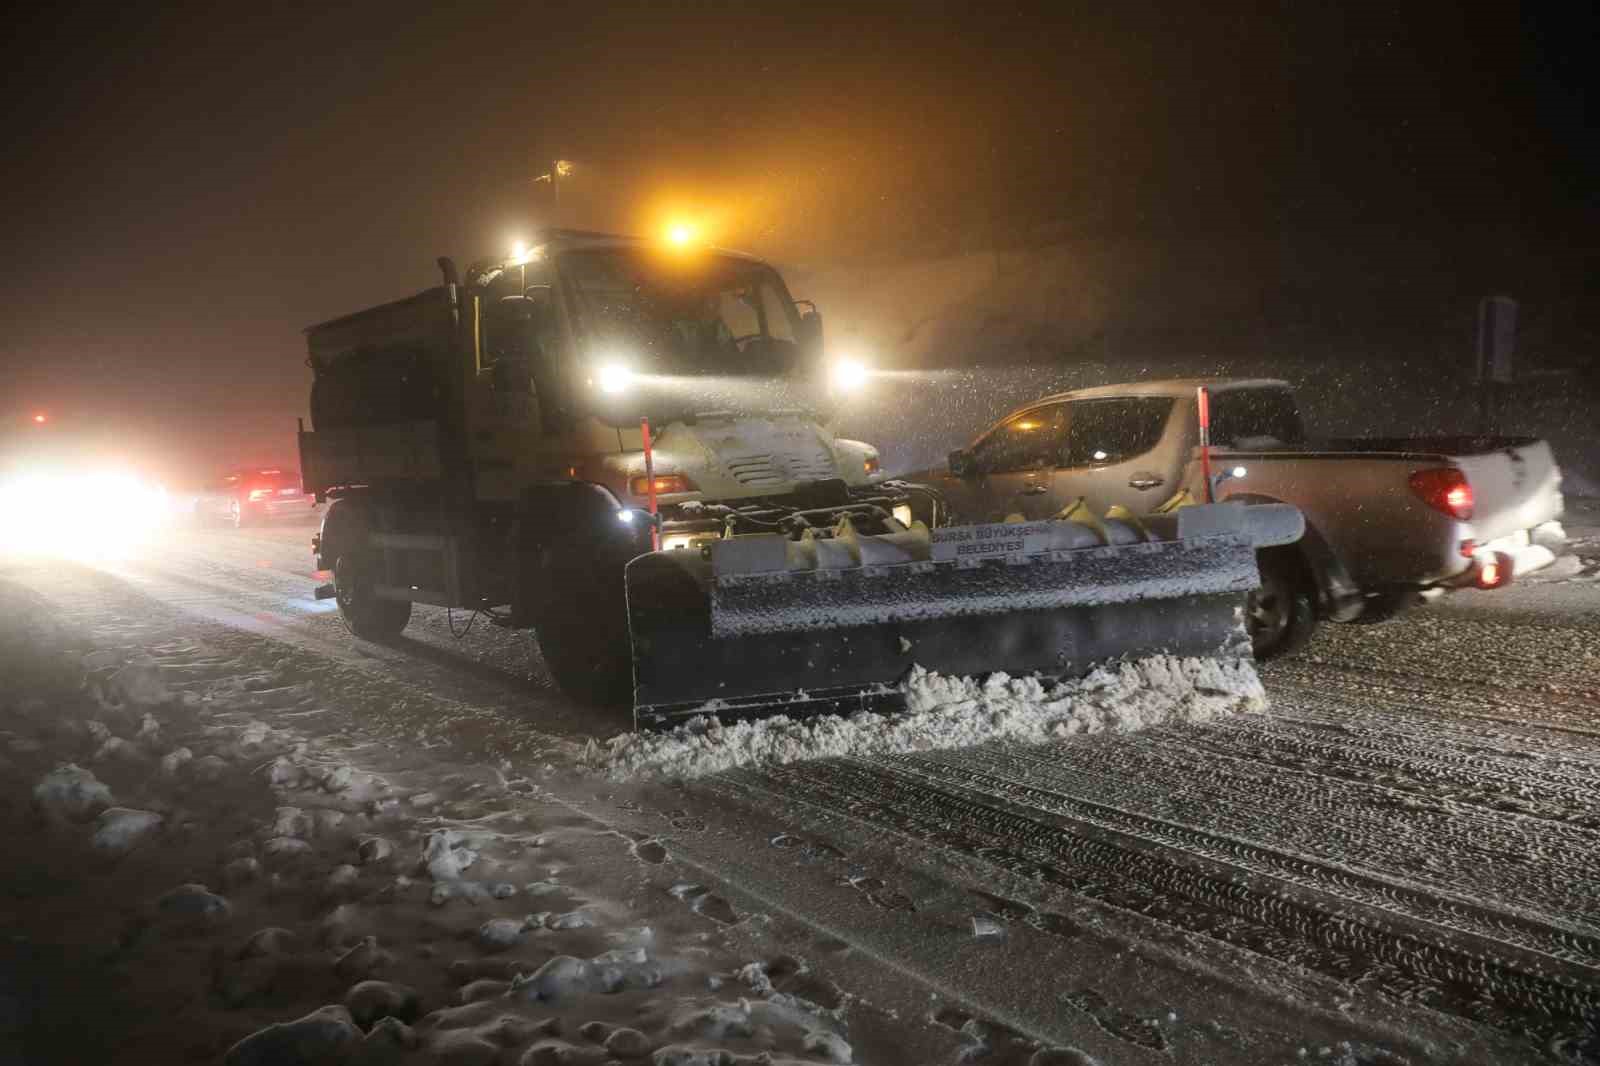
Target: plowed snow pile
950, 712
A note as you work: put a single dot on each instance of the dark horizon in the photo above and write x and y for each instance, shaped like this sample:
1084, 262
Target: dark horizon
190, 189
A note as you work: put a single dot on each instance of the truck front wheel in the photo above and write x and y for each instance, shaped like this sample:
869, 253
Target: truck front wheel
366, 615
580, 617
1280, 615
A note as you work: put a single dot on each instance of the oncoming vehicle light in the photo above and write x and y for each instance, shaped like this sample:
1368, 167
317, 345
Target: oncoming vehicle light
85, 515
625, 516
613, 378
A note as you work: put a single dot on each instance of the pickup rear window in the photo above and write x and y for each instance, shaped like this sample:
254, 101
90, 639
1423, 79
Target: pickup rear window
1256, 419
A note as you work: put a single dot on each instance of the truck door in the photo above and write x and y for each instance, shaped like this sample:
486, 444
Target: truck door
1013, 469
1118, 451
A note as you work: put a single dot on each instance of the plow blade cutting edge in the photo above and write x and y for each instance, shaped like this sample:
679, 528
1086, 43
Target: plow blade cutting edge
769, 625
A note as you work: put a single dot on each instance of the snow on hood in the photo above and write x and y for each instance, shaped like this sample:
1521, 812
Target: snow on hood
949, 712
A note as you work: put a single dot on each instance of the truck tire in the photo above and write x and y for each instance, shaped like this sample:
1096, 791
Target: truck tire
580, 620
367, 616
1280, 615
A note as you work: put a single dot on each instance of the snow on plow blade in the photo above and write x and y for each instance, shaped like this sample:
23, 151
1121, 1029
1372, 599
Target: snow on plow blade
770, 625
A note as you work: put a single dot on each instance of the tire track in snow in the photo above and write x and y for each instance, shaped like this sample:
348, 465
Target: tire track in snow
1399, 956
1490, 654
1438, 767
1522, 865
1462, 701
1205, 828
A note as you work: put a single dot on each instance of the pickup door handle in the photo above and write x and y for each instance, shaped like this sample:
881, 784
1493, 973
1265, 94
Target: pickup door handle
1145, 481
1033, 488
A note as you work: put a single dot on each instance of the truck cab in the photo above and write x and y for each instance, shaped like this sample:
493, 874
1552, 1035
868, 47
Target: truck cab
485, 440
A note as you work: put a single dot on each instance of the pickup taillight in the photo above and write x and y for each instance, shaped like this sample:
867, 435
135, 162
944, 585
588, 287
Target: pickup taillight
1444, 488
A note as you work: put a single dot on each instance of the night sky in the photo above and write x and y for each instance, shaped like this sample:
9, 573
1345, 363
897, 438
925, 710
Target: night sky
189, 187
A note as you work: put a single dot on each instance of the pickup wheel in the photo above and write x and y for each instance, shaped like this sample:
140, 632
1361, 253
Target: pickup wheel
366, 615
581, 622
1280, 615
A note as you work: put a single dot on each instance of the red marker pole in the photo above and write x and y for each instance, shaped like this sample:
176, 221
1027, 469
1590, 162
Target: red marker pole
650, 481
1203, 397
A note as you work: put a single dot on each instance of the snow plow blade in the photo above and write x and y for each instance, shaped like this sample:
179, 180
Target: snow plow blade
768, 625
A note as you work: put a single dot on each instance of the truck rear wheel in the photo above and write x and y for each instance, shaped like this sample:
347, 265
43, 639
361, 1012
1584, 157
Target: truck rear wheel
1280, 615
366, 615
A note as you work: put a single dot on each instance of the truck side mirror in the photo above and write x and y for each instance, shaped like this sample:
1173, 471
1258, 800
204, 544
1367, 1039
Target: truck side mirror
961, 463
810, 333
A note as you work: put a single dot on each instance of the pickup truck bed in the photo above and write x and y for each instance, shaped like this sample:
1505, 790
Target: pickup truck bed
1387, 519
1382, 536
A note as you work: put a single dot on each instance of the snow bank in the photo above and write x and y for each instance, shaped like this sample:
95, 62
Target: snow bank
950, 712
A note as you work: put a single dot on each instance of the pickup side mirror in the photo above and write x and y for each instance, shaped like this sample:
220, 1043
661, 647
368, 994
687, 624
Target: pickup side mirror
810, 333
962, 463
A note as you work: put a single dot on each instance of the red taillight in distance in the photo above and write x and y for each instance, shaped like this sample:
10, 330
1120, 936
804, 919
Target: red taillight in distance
1445, 489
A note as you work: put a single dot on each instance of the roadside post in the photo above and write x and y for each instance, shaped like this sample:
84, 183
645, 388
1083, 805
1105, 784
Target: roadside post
1497, 344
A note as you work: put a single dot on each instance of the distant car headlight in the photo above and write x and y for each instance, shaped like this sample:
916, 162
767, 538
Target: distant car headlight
848, 375
613, 378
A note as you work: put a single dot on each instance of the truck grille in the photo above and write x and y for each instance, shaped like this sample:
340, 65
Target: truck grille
811, 467
767, 471
757, 470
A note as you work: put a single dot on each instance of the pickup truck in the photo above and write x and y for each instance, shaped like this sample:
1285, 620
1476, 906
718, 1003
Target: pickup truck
1389, 522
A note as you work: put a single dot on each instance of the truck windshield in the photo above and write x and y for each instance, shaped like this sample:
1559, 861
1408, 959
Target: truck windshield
692, 314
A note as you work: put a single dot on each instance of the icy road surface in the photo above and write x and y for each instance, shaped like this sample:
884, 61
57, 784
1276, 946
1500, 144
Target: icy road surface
1398, 862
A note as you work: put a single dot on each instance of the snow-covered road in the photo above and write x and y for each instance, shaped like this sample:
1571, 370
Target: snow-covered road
1399, 861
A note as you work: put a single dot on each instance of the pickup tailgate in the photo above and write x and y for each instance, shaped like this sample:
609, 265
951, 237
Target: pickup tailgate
1514, 487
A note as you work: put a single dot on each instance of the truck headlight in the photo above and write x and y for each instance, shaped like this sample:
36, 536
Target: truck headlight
612, 378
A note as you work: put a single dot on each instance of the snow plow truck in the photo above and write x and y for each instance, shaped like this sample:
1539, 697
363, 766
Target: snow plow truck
625, 447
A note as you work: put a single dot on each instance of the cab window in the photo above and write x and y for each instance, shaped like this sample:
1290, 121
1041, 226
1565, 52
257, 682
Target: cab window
1115, 429
1031, 439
